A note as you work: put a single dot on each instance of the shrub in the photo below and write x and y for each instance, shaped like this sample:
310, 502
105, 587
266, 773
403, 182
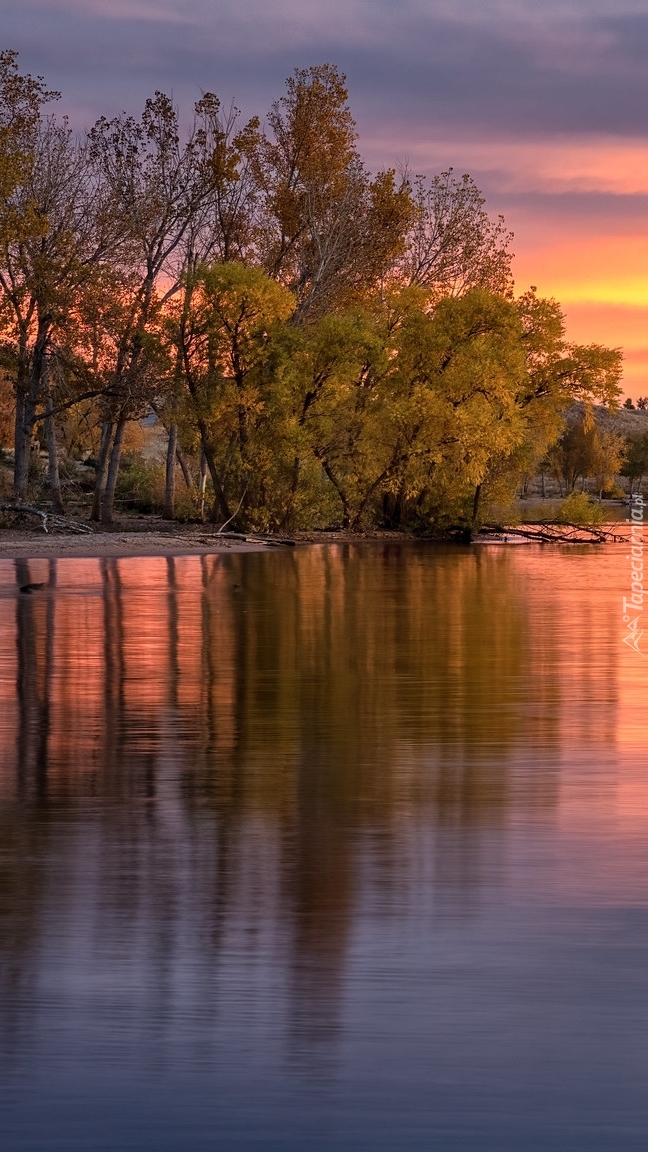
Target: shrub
140, 486
187, 504
578, 508
613, 492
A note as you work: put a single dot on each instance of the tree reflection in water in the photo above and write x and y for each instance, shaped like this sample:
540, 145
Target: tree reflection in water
211, 764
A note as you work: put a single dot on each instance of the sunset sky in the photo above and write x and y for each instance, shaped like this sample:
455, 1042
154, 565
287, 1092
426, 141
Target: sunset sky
544, 102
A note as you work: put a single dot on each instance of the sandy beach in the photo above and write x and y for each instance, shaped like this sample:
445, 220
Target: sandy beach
34, 543
153, 536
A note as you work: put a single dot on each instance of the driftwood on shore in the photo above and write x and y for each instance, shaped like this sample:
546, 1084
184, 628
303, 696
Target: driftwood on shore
552, 532
48, 519
246, 538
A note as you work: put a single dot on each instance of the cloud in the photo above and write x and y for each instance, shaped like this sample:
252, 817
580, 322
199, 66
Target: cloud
558, 165
154, 11
501, 64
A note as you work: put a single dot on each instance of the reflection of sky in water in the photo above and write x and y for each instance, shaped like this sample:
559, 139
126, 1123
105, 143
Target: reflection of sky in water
342, 847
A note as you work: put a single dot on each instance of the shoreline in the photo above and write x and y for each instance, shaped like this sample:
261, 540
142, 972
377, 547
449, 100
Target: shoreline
16, 545
140, 540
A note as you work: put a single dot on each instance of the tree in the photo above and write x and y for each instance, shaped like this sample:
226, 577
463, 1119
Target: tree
223, 227
226, 351
22, 98
159, 186
406, 411
636, 458
608, 460
21, 220
337, 399
584, 452
328, 229
453, 245
557, 375
44, 266
462, 366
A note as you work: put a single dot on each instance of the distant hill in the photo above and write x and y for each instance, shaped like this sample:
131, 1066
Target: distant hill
626, 421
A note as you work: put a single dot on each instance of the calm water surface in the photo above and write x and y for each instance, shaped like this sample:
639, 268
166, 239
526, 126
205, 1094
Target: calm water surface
337, 848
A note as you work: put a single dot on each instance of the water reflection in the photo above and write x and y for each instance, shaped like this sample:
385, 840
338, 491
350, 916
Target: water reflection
212, 770
262, 665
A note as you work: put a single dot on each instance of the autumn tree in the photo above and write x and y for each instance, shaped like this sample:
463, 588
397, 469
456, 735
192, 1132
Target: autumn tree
557, 374
560, 373
222, 227
158, 184
636, 458
452, 244
463, 365
397, 414
609, 459
584, 451
228, 351
44, 266
328, 229
335, 402
22, 98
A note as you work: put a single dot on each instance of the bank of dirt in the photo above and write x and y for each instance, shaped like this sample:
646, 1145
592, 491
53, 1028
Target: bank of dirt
153, 536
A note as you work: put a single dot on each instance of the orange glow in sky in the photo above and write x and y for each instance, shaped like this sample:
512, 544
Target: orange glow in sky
580, 227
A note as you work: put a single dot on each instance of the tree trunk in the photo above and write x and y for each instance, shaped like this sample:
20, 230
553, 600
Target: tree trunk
346, 510
23, 448
398, 508
221, 507
108, 499
184, 468
296, 470
476, 503
202, 483
52, 455
107, 429
27, 418
220, 502
169, 488
287, 518
22, 441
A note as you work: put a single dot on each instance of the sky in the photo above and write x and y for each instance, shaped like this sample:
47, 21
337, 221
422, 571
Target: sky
543, 102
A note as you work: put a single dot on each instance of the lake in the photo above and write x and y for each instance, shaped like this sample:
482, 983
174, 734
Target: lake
337, 847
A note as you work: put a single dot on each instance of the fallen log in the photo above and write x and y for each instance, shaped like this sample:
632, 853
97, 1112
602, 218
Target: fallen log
48, 519
554, 532
269, 541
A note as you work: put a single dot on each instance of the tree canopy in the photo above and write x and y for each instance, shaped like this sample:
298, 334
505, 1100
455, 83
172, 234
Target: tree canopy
326, 344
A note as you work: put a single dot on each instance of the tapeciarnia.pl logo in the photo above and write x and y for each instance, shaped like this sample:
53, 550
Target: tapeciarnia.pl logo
633, 607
